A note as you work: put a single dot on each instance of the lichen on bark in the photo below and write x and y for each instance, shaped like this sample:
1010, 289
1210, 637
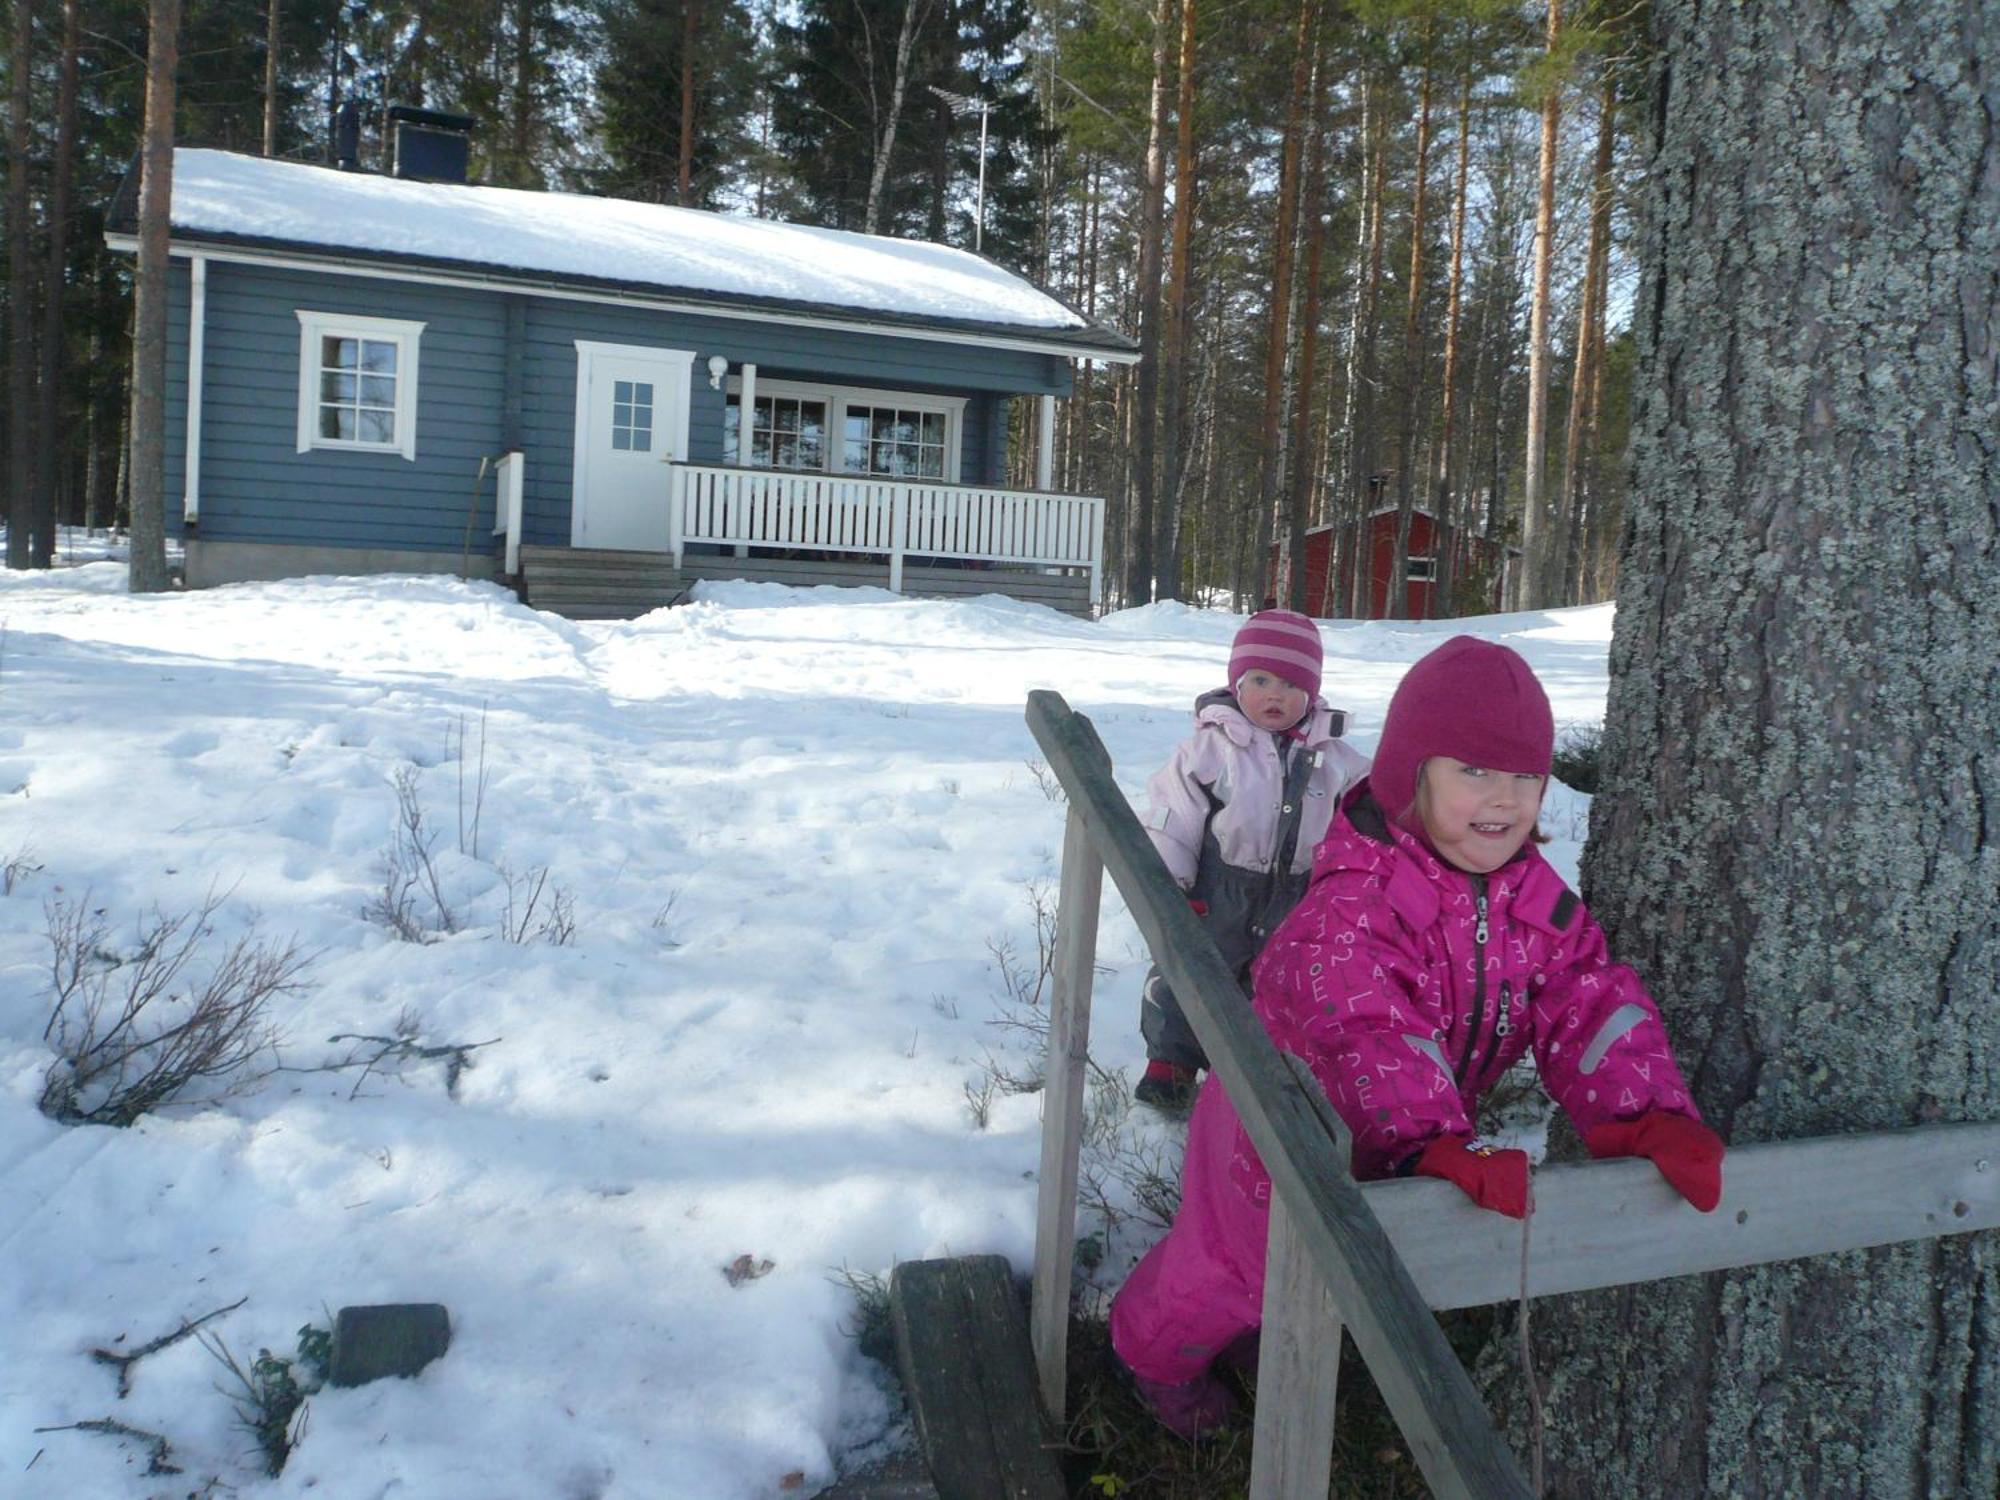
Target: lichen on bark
1798, 838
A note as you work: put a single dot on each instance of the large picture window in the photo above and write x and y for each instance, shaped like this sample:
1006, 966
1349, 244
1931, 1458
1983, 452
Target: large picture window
358, 383
895, 434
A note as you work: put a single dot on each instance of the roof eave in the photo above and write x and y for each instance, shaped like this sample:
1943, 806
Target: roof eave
1090, 342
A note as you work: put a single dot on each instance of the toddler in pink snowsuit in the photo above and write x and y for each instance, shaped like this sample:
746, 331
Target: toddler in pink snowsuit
1434, 946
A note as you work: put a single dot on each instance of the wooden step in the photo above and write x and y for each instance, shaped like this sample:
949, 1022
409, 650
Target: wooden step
962, 1344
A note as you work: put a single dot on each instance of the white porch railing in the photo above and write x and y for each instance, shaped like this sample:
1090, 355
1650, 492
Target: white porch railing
898, 518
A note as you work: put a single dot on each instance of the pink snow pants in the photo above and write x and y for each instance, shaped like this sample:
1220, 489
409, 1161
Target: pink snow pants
1201, 1287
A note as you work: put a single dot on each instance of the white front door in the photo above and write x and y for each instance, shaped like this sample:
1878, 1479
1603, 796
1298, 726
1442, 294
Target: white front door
631, 418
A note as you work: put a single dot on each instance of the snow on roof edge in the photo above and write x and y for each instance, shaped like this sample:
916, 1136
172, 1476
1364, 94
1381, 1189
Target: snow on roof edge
619, 245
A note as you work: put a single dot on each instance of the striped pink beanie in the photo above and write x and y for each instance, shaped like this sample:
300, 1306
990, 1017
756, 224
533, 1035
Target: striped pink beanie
1279, 642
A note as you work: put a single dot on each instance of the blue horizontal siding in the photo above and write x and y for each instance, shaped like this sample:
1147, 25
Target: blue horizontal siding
256, 486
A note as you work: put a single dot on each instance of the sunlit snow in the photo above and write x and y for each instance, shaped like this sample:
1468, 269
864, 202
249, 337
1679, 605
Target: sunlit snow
795, 828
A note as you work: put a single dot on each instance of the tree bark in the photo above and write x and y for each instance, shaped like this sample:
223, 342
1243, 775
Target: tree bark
1413, 377
690, 30
1798, 839
1302, 473
1152, 211
48, 440
1173, 463
885, 143
1531, 578
271, 78
1284, 230
148, 572
1362, 382
1444, 505
1573, 503
20, 299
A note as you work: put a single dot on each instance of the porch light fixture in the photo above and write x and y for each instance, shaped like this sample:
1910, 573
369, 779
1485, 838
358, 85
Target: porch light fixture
718, 366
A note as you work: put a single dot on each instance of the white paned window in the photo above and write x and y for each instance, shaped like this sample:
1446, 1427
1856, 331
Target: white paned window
1422, 570
899, 441
895, 434
358, 383
787, 432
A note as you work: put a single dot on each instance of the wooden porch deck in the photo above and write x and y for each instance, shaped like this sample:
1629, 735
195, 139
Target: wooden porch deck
582, 583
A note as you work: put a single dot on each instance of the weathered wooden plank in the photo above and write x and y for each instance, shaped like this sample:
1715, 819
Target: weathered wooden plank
1062, 1109
1439, 1413
962, 1345
1298, 1367
1298, 1372
1609, 1223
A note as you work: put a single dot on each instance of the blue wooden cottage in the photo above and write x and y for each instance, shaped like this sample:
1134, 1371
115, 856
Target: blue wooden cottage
601, 400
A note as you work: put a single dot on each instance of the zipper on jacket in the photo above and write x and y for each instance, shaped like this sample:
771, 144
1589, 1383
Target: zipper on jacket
1479, 935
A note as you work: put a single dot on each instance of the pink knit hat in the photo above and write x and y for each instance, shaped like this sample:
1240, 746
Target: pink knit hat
1279, 642
1471, 700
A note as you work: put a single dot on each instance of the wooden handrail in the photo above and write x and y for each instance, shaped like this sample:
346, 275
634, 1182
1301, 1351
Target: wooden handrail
1382, 1255
1425, 1386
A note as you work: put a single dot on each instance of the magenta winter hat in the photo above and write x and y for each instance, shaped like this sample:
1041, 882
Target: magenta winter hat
1471, 700
1279, 642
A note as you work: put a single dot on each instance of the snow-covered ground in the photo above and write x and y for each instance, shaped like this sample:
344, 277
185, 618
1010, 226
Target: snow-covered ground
793, 829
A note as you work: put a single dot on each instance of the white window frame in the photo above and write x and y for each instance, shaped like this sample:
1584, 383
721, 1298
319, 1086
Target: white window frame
837, 397
1421, 568
406, 335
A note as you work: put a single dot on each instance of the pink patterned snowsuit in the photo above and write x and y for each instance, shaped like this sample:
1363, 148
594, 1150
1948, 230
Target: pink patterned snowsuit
1408, 986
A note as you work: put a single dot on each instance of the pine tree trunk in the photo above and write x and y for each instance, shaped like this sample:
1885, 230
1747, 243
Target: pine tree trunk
48, 459
1797, 841
1302, 474
1406, 419
1362, 455
885, 142
1531, 578
1574, 501
1444, 505
1152, 214
148, 573
20, 299
690, 36
1174, 359
271, 78
1283, 232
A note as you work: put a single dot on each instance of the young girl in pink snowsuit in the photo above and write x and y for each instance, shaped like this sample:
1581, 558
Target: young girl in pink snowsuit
1235, 813
1434, 946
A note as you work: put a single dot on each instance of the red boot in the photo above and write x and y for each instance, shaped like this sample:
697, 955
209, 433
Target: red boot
1168, 1087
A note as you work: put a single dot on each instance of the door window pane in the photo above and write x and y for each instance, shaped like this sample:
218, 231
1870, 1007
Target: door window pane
632, 416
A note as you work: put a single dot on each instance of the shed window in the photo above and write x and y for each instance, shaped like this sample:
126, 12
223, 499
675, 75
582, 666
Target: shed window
1422, 570
358, 383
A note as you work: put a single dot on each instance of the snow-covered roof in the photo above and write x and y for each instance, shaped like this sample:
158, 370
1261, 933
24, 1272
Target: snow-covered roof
572, 239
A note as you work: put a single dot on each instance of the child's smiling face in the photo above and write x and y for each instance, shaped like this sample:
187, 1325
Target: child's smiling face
1476, 818
1270, 702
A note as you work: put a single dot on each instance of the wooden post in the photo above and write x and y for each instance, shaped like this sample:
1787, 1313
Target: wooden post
1062, 1109
899, 501
1298, 1366
1298, 1361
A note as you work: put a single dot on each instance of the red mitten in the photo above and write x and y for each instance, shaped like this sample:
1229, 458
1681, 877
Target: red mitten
1687, 1152
1491, 1178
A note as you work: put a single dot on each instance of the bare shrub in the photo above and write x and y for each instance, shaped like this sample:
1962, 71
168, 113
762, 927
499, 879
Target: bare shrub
471, 800
536, 909
16, 868
133, 1033
270, 1396
387, 1054
410, 878
1046, 780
